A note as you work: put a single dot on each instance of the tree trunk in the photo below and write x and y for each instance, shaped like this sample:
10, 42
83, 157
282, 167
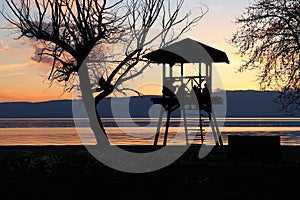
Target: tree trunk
90, 106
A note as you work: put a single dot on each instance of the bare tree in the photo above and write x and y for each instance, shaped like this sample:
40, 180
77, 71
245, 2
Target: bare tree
81, 35
268, 40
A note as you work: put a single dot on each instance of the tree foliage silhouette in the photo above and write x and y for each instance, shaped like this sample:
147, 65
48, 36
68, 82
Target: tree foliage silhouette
268, 40
82, 35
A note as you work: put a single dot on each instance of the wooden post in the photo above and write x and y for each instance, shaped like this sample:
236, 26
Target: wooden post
185, 126
200, 74
167, 127
216, 125
206, 72
214, 132
171, 71
210, 77
182, 73
158, 126
164, 74
201, 126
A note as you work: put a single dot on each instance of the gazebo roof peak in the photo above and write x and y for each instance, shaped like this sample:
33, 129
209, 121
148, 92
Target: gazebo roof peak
187, 51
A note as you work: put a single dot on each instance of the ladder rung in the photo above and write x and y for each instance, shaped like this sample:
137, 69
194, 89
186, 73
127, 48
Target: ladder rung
196, 130
197, 134
199, 137
198, 140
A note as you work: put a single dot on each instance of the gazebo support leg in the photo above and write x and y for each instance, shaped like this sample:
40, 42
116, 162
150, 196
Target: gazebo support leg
214, 133
217, 128
158, 126
167, 127
185, 126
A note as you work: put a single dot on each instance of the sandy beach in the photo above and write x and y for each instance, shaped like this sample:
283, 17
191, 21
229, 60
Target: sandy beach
61, 172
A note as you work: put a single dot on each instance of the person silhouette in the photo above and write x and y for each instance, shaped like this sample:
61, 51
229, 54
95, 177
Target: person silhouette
181, 93
206, 100
169, 89
203, 98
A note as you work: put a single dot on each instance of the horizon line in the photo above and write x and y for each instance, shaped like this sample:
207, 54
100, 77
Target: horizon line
51, 100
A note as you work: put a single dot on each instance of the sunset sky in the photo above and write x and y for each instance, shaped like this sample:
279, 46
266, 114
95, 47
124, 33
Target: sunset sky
22, 79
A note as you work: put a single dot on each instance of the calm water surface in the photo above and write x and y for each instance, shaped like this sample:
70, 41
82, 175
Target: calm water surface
136, 131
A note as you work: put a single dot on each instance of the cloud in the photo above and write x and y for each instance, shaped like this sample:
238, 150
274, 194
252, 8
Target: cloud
11, 75
3, 45
21, 41
36, 57
10, 67
8, 26
4, 48
216, 7
20, 94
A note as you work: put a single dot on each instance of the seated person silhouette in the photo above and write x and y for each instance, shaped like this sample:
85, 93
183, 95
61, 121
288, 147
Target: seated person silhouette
181, 93
203, 98
206, 100
168, 90
169, 96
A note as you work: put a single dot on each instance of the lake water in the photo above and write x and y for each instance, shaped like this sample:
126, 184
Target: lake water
136, 131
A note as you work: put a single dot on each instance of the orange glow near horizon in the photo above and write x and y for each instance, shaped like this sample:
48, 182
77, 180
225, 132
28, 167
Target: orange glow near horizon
10, 96
23, 79
150, 89
27, 81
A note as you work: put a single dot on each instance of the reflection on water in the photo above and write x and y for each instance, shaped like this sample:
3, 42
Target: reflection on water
136, 132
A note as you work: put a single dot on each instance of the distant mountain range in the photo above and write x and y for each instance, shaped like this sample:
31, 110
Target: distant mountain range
239, 104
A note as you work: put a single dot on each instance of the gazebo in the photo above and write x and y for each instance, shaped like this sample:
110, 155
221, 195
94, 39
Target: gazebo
190, 93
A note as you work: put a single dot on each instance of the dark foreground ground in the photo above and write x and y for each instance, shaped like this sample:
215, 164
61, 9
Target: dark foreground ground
70, 172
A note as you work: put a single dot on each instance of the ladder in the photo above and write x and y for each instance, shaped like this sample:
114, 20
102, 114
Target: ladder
192, 103
194, 124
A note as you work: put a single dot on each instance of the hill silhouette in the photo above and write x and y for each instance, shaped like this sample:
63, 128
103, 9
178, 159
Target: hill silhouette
239, 104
